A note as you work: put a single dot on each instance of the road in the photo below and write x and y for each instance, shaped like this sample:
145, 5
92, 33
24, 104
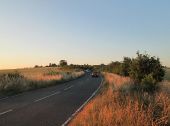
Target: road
50, 106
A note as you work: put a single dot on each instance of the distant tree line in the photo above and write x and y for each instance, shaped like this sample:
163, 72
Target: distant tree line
83, 67
52, 65
37, 66
63, 63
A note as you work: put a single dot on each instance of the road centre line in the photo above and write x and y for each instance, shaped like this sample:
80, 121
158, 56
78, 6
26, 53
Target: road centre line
40, 99
4, 98
2, 113
68, 88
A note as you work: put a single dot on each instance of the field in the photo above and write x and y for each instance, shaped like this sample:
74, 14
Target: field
118, 104
45, 73
19, 80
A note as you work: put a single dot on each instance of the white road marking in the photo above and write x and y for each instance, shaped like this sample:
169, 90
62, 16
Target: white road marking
82, 106
2, 113
3, 98
10, 97
68, 88
47, 96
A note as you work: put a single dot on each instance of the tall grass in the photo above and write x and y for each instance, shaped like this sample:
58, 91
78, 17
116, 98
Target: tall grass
12, 82
119, 105
167, 74
166, 83
44, 73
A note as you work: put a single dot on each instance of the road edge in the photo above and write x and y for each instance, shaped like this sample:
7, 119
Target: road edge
83, 105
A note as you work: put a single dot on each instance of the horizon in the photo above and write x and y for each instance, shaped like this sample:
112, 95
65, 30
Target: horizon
82, 32
57, 63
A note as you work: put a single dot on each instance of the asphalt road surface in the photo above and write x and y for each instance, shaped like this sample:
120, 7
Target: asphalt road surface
48, 106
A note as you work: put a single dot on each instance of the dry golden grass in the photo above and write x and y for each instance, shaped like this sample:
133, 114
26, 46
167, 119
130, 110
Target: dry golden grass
44, 74
116, 108
116, 80
46, 78
36, 73
27, 79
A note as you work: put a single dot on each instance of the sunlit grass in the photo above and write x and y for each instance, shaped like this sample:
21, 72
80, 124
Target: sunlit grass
39, 73
19, 80
118, 105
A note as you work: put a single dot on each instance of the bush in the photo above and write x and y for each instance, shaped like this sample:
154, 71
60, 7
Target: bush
148, 83
114, 67
126, 66
144, 68
146, 71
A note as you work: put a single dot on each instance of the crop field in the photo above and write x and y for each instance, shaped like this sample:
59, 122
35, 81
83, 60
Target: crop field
45, 73
19, 80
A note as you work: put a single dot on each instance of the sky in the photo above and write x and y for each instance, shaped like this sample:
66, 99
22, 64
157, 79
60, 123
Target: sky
82, 31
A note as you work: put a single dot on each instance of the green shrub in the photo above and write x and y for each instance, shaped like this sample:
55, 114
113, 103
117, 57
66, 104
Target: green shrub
114, 67
126, 66
148, 83
144, 65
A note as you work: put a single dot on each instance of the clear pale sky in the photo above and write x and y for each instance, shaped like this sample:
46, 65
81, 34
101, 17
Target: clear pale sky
82, 31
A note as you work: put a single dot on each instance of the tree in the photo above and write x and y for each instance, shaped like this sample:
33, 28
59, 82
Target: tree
126, 66
115, 67
52, 65
37, 66
63, 63
146, 69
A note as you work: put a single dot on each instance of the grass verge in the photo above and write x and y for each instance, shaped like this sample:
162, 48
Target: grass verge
118, 104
